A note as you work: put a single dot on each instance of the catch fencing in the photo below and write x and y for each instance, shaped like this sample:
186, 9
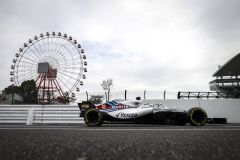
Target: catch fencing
129, 95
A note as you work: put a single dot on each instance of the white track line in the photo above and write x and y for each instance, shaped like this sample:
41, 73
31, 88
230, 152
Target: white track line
129, 129
162, 129
231, 126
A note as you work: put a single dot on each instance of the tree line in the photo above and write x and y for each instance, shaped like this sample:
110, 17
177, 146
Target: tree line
27, 90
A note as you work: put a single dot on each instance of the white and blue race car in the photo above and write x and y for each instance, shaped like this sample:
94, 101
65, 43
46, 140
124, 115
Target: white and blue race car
137, 112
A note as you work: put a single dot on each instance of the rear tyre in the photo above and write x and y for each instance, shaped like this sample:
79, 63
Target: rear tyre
93, 117
197, 116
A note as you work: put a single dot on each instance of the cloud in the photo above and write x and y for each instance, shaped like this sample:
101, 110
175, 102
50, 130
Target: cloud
153, 45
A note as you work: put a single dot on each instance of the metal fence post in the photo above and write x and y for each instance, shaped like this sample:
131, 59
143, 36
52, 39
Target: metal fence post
30, 116
87, 95
125, 95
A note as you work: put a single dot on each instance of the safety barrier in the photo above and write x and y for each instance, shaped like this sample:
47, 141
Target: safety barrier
39, 114
60, 114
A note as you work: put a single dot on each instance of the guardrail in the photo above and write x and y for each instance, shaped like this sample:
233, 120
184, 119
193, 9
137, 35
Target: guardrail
39, 114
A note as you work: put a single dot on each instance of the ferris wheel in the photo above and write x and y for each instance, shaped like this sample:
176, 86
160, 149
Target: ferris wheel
55, 61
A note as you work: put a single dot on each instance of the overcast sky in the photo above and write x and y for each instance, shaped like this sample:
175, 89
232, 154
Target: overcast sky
142, 44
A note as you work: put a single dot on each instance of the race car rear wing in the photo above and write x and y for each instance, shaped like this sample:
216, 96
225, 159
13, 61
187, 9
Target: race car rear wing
85, 105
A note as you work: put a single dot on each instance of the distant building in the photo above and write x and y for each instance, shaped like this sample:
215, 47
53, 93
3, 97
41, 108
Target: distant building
228, 78
11, 99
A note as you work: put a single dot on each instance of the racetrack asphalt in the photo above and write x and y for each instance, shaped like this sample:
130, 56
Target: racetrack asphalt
115, 141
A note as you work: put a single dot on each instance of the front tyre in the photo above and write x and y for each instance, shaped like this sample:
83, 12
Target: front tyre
197, 116
93, 117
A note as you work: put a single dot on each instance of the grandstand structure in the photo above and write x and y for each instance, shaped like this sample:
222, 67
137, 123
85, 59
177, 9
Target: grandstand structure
225, 85
228, 78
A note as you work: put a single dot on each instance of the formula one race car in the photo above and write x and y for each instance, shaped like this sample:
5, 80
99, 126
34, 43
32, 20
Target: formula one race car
137, 112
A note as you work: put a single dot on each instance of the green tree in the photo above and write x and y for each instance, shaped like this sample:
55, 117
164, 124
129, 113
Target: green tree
96, 99
29, 92
65, 99
12, 89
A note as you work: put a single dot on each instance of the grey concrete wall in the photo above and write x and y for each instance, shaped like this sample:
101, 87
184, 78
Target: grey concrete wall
215, 108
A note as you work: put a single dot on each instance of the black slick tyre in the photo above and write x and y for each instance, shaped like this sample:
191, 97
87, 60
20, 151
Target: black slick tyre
197, 116
93, 117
